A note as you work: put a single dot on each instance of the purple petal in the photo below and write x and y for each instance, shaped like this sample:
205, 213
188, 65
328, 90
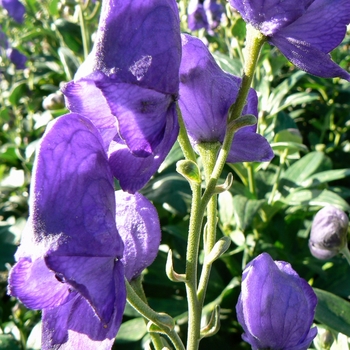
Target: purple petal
15, 9
74, 325
73, 194
138, 224
84, 98
206, 92
314, 26
140, 169
138, 42
141, 113
270, 16
249, 147
35, 285
92, 277
309, 58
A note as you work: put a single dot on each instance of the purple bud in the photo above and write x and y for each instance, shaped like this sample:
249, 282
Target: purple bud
328, 232
276, 307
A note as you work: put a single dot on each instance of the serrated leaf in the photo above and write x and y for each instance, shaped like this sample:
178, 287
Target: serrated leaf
333, 311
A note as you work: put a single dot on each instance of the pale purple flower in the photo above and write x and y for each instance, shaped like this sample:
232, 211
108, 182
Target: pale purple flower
206, 94
69, 261
15, 9
305, 31
328, 232
129, 84
276, 307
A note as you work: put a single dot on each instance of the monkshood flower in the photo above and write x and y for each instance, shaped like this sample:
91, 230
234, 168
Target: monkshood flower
305, 31
129, 84
328, 232
17, 58
206, 94
276, 307
204, 14
15, 9
69, 261
138, 225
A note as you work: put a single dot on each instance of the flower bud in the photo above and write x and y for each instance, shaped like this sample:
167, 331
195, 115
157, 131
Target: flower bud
276, 307
328, 232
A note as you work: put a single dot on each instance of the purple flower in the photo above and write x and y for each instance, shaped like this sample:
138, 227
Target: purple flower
206, 94
328, 232
138, 225
69, 262
305, 31
204, 14
14, 8
129, 84
276, 307
17, 58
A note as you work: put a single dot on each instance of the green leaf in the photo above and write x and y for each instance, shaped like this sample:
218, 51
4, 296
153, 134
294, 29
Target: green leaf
132, 330
245, 209
18, 91
69, 61
8, 342
316, 197
308, 165
325, 176
230, 65
333, 311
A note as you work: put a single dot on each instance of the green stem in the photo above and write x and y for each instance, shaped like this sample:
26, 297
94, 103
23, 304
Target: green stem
164, 322
208, 153
194, 234
251, 179
137, 286
183, 139
278, 175
84, 31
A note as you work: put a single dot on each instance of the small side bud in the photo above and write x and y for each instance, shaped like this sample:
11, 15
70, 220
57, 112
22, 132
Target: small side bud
164, 320
189, 170
169, 269
242, 121
214, 324
219, 248
328, 232
226, 185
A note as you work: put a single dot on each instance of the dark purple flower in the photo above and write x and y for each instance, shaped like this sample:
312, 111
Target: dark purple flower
328, 232
197, 17
17, 58
69, 262
138, 225
129, 84
206, 94
305, 31
276, 307
14, 8
204, 14
214, 11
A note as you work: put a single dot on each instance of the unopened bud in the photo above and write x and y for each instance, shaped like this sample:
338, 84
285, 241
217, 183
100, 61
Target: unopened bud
328, 232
